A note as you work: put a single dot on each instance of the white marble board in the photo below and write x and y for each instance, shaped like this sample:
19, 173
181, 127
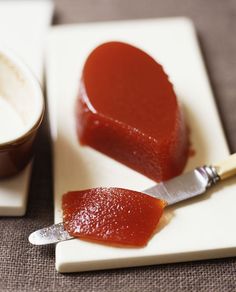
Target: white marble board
23, 27
200, 229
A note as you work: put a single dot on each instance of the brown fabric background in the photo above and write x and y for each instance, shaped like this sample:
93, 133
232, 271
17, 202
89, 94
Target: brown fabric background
27, 268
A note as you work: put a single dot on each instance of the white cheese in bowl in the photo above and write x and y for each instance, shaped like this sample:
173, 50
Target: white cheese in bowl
11, 123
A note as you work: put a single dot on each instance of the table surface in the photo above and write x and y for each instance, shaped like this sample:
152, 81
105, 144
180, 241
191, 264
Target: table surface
28, 268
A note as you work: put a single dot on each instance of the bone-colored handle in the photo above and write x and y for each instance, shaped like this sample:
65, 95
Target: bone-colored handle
227, 167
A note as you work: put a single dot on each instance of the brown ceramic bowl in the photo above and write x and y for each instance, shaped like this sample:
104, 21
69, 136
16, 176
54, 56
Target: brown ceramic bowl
21, 113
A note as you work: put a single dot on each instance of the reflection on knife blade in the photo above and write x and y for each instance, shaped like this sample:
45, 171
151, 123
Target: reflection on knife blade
48, 235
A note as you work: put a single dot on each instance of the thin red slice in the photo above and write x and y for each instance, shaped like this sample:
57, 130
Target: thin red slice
127, 109
112, 216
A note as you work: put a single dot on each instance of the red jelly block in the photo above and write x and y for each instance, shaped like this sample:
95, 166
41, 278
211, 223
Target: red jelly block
127, 109
111, 215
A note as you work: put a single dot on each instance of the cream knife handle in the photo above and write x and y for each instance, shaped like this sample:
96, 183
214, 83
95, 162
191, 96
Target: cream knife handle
227, 167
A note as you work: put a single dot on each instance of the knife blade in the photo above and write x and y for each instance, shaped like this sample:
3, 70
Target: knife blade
48, 235
183, 187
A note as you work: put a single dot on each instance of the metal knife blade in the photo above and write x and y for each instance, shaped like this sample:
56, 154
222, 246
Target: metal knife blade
48, 235
183, 187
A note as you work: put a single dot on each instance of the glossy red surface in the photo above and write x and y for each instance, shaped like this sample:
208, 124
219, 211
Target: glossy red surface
128, 110
111, 215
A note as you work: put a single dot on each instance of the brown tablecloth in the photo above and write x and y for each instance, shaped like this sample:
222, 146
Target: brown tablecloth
27, 268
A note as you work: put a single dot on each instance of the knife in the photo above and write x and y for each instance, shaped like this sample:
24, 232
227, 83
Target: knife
180, 188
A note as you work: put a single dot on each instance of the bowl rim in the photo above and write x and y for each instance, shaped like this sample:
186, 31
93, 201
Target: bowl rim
37, 89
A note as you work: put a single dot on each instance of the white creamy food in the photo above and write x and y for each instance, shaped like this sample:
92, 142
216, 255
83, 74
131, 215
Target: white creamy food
11, 123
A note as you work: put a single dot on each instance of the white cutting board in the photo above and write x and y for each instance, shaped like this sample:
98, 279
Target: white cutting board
200, 229
23, 26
